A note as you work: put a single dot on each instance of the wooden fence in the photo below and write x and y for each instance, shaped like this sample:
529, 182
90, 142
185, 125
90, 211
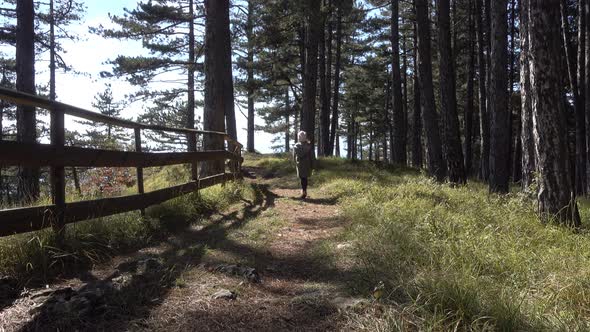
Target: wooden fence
57, 156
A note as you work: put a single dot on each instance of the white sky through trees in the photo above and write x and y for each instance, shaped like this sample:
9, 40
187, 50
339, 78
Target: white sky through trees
89, 56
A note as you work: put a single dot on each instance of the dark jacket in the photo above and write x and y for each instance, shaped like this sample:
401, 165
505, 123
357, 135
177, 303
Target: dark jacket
304, 158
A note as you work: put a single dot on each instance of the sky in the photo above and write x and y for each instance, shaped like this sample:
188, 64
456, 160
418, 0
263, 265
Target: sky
90, 55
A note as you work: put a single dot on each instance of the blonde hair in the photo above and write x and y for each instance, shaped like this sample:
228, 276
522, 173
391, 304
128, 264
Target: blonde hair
302, 136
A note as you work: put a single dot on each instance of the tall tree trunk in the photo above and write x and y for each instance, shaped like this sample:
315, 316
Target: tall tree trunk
2, 106
52, 95
436, 165
517, 155
571, 61
287, 115
324, 148
511, 73
217, 70
296, 120
337, 144
405, 94
417, 111
28, 179
500, 116
329, 66
398, 146
360, 144
529, 163
468, 116
250, 83
586, 87
581, 129
190, 106
483, 107
448, 96
336, 96
313, 25
556, 194
370, 138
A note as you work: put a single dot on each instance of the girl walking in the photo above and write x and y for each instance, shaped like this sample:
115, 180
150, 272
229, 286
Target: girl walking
304, 157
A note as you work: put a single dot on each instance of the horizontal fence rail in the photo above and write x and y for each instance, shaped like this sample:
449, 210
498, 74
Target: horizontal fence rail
22, 98
58, 156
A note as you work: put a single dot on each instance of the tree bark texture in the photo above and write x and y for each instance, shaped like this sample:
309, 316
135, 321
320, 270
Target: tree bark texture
556, 197
28, 179
454, 152
435, 161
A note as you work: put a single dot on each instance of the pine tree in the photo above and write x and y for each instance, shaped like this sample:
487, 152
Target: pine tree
454, 153
28, 187
105, 135
499, 111
166, 29
556, 193
218, 77
436, 165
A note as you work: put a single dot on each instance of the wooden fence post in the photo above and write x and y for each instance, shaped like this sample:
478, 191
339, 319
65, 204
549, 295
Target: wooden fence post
192, 147
58, 181
140, 188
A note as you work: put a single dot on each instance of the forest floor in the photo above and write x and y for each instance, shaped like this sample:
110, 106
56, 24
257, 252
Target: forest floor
261, 258
374, 248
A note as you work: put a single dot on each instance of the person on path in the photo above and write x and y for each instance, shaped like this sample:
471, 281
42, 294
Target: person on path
304, 158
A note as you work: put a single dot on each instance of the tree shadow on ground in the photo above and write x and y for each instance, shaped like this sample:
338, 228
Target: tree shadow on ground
321, 201
126, 305
135, 297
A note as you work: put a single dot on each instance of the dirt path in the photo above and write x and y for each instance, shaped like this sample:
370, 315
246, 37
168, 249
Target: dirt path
277, 235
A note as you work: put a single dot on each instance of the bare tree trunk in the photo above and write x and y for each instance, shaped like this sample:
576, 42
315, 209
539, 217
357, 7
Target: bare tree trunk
324, 148
398, 146
28, 179
250, 83
581, 129
313, 25
448, 96
483, 107
337, 144
529, 163
500, 117
329, 62
217, 70
517, 158
436, 165
335, 98
571, 61
386, 126
190, 106
417, 112
511, 74
556, 196
468, 128
287, 114
360, 136
586, 87
405, 94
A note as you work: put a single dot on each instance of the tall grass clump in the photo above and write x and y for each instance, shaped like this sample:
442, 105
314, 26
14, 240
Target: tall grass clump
457, 257
467, 258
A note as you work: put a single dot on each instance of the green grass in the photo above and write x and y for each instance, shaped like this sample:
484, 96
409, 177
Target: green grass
454, 257
36, 257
